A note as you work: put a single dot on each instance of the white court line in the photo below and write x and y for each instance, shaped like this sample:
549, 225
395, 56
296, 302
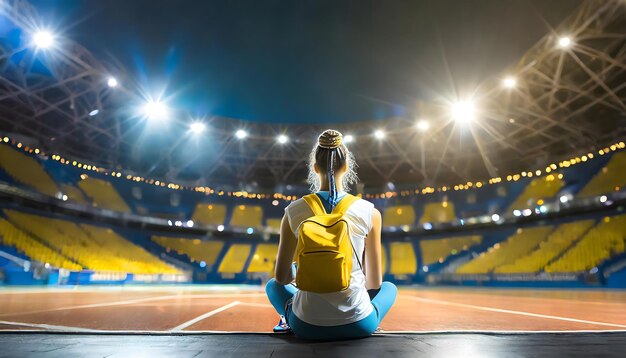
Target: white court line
48, 327
521, 313
206, 315
138, 300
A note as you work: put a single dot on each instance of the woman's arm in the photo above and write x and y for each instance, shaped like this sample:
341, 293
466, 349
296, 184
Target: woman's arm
286, 250
373, 253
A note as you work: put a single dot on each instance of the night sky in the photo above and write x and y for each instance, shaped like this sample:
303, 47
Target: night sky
306, 61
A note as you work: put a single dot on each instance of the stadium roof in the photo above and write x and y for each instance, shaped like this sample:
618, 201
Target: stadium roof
564, 95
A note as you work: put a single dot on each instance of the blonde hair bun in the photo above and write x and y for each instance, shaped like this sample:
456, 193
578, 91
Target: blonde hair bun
330, 139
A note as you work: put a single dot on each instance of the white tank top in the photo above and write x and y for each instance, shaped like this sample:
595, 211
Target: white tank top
352, 304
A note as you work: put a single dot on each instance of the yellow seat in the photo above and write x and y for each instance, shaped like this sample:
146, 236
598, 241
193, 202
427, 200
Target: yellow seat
556, 243
516, 246
273, 224
403, 260
26, 170
438, 212
604, 240
74, 194
439, 249
538, 189
398, 216
247, 216
209, 214
263, 259
235, 259
610, 178
103, 194
196, 249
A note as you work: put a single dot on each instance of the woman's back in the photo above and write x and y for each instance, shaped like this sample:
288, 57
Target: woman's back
352, 304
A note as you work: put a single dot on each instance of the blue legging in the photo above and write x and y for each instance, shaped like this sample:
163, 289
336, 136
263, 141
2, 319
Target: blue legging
279, 295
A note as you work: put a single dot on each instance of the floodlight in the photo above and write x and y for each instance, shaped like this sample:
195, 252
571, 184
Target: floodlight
463, 111
197, 127
565, 42
348, 138
43, 39
423, 125
379, 134
509, 82
112, 82
282, 139
154, 109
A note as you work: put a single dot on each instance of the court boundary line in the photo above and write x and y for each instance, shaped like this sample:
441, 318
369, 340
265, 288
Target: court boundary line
193, 321
500, 310
137, 300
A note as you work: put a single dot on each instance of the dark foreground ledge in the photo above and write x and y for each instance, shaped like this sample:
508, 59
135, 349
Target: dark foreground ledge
608, 344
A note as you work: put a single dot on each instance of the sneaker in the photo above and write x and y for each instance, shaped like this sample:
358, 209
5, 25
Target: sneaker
282, 325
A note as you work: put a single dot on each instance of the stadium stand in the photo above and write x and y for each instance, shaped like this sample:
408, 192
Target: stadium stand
196, 249
538, 189
560, 240
263, 259
438, 250
612, 176
247, 216
517, 245
235, 259
73, 193
35, 250
103, 194
398, 216
92, 247
604, 240
438, 212
209, 214
27, 171
402, 260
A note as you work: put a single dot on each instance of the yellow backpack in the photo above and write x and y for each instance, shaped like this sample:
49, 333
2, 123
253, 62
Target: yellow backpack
324, 250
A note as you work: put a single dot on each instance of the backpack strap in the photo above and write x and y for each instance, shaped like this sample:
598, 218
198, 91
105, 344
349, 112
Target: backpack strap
315, 204
344, 204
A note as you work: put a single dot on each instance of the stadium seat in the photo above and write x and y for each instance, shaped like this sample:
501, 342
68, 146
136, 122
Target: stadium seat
398, 216
103, 194
558, 241
612, 176
235, 259
604, 240
26, 170
247, 216
196, 249
209, 214
438, 250
538, 189
403, 260
273, 223
438, 212
35, 250
263, 259
516, 246
73, 193
92, 247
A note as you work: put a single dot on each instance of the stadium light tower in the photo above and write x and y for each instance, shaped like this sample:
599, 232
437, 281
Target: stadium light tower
463, 111
282, 139
197, 127
423, 125
43, 39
